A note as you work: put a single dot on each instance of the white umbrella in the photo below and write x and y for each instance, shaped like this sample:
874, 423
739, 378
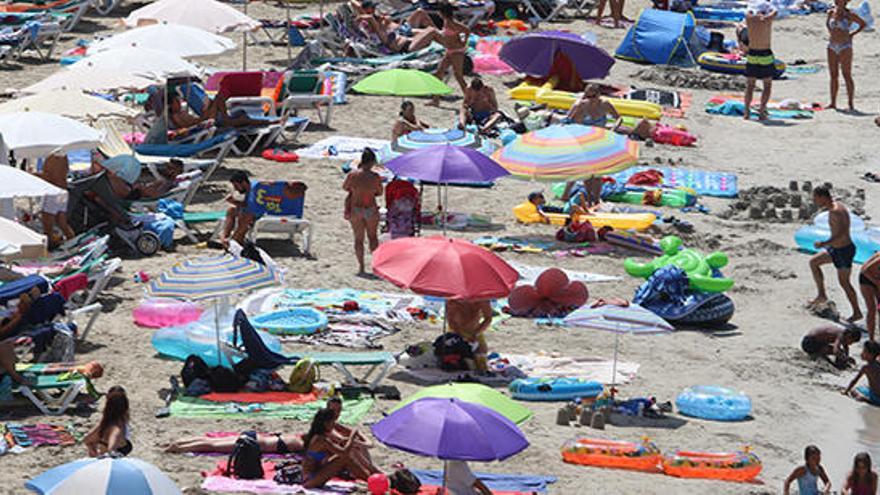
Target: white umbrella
90, 79
209, 15
40, 134
177, 39
20, 184
18, 241
71, 103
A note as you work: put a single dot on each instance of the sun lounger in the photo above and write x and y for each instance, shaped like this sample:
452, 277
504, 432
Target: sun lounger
221, 144
303, 90
288, 220
53, 394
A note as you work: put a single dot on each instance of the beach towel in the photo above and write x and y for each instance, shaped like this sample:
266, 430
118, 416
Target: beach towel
37, 435
341, 148
494, 481
738, 109
703, 182
675, 103
523, 244
216, 481
351, 335
528, 274
260, 397
190, 407
587, 368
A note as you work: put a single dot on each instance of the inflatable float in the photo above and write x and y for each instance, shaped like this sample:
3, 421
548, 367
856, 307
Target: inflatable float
552, 295
643, 456
292, 321
729, 466
165, 312
528, 213
713, 402
701, 270
729, 63
563, 100
866, 238
675, 198
280, 155
554, 389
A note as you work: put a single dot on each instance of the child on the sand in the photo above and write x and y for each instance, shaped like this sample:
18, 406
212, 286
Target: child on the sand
808, 475
871, 370
831, 341
862, 480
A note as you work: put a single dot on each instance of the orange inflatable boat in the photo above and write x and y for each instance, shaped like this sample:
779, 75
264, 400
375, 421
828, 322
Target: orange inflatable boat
730, 466
644, 456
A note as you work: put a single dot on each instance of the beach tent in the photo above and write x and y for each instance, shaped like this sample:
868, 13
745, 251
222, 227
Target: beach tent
660, 37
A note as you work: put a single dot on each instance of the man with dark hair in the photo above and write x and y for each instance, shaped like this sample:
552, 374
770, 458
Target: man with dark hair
871, 370
831, 341
839, 250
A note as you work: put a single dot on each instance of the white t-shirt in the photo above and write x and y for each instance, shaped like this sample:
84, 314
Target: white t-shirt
459, 478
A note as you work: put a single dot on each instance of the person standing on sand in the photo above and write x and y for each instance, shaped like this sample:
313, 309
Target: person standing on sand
869, 285
840, 49
760, 62
54, 208
363, 186
469, 319
839, 250
453, 37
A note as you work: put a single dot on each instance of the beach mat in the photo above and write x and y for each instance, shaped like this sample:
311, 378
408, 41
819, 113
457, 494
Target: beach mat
528, 274
675, 103
216, 481
586, 368
704, 182
495, 482
38, 435
343, 148
191, 407
261, 397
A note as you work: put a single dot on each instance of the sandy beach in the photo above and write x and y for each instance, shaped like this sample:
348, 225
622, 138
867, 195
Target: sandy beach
796, 401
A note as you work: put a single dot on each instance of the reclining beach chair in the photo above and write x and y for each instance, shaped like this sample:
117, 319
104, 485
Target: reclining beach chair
54, 392
287, 220
302, 90
379, 363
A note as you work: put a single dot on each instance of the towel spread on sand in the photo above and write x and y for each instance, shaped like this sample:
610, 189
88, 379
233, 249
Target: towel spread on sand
704, 182
192, 407
506, 482
539, 244
260, 397
216, 481
352, 335
341, 148
37, 435
529, 273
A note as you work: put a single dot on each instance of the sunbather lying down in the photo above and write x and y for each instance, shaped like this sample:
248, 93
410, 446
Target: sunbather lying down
270, 443
215, 112
8, 329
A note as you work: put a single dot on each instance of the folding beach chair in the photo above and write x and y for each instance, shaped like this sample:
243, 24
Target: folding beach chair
302, 90
285, 218
53, 394
252, 346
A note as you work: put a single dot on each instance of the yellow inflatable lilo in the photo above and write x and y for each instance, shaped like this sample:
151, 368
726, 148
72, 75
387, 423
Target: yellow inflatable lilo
528, 213
563, 100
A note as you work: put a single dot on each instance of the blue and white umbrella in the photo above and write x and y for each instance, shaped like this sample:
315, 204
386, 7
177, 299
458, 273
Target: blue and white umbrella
104, 476
417, 140
211, 277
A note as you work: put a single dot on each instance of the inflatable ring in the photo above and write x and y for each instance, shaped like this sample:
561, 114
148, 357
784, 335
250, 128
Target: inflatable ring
292, 321
553, 389
280, 155
643, 456
720, 62
713, 402
165, 312
729, 466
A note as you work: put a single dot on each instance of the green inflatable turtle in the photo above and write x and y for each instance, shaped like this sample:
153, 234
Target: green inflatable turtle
697, 267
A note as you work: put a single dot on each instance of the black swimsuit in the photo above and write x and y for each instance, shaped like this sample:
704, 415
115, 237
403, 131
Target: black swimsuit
863, 280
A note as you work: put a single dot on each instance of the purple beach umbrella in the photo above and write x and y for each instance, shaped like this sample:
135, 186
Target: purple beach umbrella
533, 54
451, 429
446, 164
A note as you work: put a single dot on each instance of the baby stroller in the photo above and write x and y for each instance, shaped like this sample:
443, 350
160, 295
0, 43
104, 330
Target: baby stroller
93, 204
403, 209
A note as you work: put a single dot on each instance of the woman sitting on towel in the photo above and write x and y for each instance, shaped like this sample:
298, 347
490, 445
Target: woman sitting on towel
326, 455
407, 122
111, 434
270, 443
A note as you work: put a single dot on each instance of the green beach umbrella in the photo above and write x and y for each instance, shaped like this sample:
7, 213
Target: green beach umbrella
402, 82
475, 393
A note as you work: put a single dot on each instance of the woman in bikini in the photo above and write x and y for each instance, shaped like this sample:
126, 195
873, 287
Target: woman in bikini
270, 443
111, 435
407, 122
840, 22
326, 457
363, 186
453, 37
869, 284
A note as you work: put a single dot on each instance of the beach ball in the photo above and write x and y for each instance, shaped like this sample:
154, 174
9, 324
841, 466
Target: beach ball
378, 484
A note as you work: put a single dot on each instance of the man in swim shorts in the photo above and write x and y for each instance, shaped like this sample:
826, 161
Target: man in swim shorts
839, 250
871, 370
760, 62
54, 208
479, 106
469, 319
830, 341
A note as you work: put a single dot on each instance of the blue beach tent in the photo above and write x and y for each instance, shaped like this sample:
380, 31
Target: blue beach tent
660, 37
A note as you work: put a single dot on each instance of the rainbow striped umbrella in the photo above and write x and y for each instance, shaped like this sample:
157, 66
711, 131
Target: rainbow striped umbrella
567, 152
211, 277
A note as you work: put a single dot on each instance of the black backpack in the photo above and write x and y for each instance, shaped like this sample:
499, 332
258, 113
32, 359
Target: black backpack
452, 351
224, 379
245, 461
194, 367
405, 482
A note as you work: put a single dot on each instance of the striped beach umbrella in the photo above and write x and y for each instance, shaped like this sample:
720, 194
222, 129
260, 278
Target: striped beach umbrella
567, 152
104, 476
210, 277
417, 140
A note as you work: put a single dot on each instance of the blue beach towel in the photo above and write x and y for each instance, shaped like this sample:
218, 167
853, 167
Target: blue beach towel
501, 482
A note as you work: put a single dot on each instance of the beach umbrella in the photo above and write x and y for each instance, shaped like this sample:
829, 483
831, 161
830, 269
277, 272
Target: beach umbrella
90, 79
208, 15
442, 267
451, 429
475, 393
567, 152
417, 140
631, 319
534, 54
126, 167
104, 476
20, 184
177, 39
40, 134
402, 82
18, 241
72, 103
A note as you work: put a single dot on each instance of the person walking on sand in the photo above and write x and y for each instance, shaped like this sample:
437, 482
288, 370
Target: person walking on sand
453, 37
840, 22
760, 62
363, 186
839, 250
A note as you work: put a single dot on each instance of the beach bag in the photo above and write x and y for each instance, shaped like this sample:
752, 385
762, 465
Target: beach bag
245, 461
452, 352
576, 232
405, 482
193, 368
289, 473
224, 380
303, 377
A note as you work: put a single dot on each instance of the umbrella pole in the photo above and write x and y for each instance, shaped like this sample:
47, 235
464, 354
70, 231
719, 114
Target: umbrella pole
445, 481
244, 42
614, 365
445, 203
289, 51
